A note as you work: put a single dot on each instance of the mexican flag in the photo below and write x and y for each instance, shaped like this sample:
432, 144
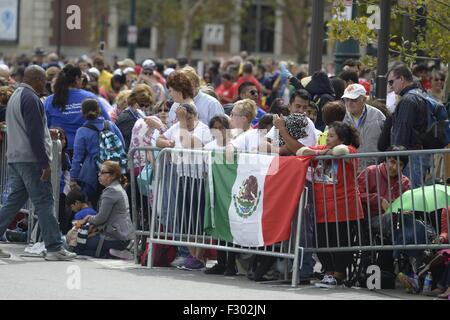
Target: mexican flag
252, 201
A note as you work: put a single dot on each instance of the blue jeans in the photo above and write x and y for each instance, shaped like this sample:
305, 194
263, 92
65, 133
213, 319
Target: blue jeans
25, 182
419, 165
90, 248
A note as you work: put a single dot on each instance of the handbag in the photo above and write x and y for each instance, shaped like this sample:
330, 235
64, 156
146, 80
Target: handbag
144, 180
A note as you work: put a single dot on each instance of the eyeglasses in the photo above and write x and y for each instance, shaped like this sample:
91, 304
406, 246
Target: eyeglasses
391, 82
235, 115
103, 172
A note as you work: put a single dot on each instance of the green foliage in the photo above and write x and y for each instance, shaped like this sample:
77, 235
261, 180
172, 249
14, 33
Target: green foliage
432, 40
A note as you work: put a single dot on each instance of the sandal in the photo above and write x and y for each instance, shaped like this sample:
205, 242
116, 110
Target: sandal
445, 295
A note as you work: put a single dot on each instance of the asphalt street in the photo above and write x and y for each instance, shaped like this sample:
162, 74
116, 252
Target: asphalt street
87, 278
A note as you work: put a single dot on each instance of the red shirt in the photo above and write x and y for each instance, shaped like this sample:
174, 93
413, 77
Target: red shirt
221, 91
243, 79
369, 193
329, 190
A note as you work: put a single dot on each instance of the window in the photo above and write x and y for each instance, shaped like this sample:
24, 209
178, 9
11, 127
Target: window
266, 25
143, 36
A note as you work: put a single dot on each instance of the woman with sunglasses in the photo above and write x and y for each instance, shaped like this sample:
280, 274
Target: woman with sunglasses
115, 229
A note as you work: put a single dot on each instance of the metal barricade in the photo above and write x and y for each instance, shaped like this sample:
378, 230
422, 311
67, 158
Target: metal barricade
406, 224
55, 166
175, 215
356, 204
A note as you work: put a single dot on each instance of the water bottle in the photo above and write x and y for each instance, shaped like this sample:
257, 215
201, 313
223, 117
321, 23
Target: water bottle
83, 234
427, 284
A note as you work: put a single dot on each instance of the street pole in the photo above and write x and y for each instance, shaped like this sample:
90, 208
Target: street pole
258, 26
132, 44
317, 36
58, 40
383, 50
347, 49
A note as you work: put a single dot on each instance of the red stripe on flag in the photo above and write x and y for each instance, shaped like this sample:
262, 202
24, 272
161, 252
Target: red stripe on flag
282, 191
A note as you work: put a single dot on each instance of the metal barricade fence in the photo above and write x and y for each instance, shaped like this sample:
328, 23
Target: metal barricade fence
55, 166
355, 204
373, 210
170, 212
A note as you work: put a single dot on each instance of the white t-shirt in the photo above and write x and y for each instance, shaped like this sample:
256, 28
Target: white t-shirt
201, 132
308, 141
214, 146
248, 141
189, 164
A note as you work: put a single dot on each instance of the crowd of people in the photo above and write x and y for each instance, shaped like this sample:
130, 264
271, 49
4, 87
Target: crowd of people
238, 105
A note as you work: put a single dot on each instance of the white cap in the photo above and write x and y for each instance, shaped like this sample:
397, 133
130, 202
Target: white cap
4, 67
168, 71
128, 70
148, 64
118, 72
354, 91
94, 71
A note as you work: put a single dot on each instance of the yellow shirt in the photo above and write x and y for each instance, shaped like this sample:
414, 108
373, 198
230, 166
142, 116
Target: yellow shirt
104, 81
322, 141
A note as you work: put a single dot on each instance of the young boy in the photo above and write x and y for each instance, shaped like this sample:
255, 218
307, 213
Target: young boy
77, 202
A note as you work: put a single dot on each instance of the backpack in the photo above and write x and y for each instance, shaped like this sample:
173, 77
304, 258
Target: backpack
110, 147
437, 133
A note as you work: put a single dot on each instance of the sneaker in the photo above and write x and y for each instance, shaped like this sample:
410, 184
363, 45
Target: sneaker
216, 269
4, 255
61, 255
178, 262
193, 264
411, 284
121, 254
328, 282
15, 236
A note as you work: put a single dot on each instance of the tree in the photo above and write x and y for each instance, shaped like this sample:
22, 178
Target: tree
431, 40
296, 13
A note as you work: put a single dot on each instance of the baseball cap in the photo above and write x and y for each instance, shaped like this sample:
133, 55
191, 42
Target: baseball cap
168, 71
354, 91
126, 63
128, 70
148, 64
94, 71
39, 52
118, 72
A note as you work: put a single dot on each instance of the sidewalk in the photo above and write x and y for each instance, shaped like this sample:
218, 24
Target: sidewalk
117, 279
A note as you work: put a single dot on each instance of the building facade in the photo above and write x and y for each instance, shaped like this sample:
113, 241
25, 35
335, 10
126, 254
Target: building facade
44, 23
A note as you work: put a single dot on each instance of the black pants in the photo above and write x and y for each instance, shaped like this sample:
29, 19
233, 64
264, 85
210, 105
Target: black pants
335, 261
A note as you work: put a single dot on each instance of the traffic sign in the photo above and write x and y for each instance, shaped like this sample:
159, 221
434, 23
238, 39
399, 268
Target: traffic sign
132, 34
214, 34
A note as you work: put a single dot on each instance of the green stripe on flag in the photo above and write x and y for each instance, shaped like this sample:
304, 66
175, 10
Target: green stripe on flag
217, 222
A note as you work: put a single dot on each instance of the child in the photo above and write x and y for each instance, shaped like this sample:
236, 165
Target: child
336, 200
220, 129
77, 202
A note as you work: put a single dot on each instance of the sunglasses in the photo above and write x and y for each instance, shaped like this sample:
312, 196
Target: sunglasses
391, 82
439, 79
253, 92
164, 110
